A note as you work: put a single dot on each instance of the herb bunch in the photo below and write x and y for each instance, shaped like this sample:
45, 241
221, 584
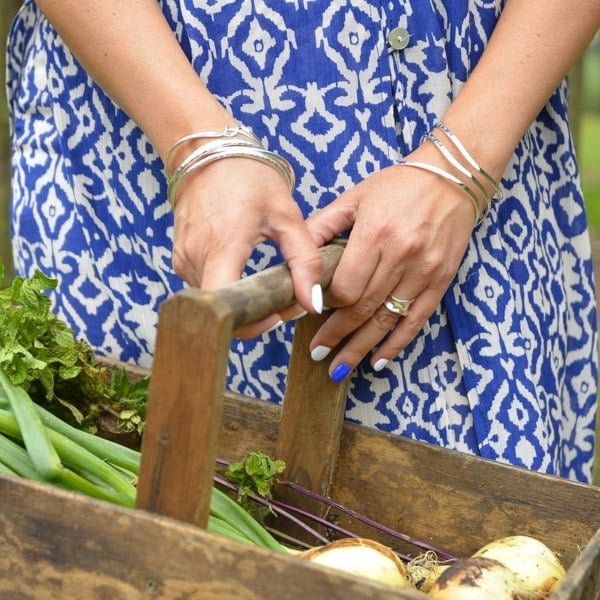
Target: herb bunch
39, 353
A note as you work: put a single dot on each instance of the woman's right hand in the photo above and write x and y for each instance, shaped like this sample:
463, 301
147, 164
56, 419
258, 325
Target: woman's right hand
227, 207
222, 211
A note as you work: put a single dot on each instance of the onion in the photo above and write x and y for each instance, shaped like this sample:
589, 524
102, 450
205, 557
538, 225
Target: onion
476, 579
361, 557
537, 568
423, 570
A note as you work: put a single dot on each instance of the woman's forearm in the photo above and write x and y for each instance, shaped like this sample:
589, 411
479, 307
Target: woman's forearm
532, 49
128, 48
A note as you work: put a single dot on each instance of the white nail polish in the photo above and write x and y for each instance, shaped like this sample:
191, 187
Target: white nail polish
319, 353
380, 364
278, 324
317, 298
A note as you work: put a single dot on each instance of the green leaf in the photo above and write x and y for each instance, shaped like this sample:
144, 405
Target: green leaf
256, 474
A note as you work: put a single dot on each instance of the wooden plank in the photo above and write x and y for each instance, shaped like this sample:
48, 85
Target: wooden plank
57, 544
248, 425
311, 421
185, 405
583, 578
460, 502
454, 501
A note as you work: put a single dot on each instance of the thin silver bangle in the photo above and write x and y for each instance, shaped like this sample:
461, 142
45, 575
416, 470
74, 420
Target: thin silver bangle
228, 132
207, 148
272, 159
459, 146
448, 177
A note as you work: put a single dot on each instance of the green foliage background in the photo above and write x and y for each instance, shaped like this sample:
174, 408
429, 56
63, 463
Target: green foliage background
7, 10
589, 142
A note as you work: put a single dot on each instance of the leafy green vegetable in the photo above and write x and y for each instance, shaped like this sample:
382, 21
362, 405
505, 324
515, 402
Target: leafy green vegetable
39, 353
41, 362
132, 399
256, 474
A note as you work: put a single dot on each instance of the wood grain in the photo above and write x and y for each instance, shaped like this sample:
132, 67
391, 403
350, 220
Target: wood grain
185, 406
60, 545
268, 291
311, 422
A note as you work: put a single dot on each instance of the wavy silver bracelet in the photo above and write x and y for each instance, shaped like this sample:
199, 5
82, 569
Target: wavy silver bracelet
448, 177
462, 169
469, 159
272, 159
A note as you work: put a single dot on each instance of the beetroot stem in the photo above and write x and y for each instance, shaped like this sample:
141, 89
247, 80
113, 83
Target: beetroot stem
287, 509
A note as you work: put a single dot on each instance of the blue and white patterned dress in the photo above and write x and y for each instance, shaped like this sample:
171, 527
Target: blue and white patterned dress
505, 368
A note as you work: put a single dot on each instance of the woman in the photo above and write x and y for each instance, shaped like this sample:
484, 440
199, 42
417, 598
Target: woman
479, 338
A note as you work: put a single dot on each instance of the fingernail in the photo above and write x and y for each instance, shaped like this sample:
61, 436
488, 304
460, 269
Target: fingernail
317, 298
380, 364
320, 352
341, 372
278, 324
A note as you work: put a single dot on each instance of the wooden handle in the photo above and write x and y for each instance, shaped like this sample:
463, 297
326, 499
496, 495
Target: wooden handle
268, 291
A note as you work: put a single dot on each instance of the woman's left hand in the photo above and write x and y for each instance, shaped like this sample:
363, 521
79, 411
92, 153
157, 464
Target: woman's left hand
409, 231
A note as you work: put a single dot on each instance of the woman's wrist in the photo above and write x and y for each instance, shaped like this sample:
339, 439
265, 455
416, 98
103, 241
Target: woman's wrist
454, 163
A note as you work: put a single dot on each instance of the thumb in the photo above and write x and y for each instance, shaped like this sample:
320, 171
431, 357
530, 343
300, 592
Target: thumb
222, 268
331, 221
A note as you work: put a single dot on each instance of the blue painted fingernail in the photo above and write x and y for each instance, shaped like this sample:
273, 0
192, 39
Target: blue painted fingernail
341, 372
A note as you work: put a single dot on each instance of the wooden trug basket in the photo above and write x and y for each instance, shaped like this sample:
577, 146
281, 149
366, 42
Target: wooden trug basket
60, 545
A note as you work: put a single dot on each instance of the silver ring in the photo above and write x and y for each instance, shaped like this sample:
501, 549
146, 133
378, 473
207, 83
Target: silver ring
397, 305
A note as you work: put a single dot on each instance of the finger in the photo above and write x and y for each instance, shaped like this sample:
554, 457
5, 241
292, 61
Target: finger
273, 321
356, 266
385, 319
361, 341
347, 319
304, 261
353, 279
406, 330
332, 220
223, 263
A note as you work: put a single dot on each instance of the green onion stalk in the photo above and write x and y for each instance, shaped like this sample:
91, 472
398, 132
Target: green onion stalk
37, 445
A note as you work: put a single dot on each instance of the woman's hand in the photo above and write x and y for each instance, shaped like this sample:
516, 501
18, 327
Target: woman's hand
410, 230
223, 211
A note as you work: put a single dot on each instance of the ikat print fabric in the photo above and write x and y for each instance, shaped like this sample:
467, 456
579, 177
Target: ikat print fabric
506, 366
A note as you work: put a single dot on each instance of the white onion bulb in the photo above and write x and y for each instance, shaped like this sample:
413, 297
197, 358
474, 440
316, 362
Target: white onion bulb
476, 579
537, 568
362, 557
